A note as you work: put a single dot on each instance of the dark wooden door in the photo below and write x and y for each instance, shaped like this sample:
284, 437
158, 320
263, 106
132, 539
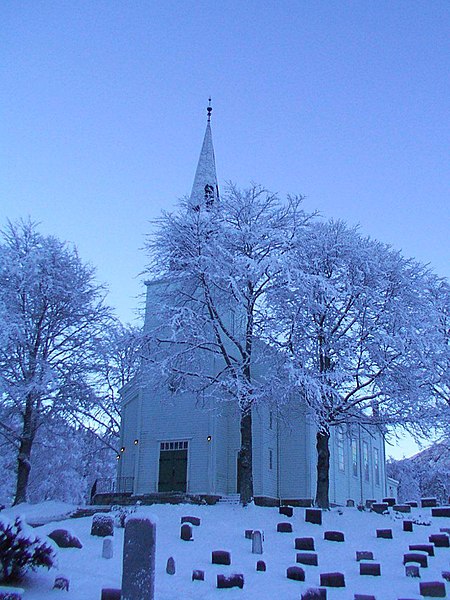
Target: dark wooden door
172, 471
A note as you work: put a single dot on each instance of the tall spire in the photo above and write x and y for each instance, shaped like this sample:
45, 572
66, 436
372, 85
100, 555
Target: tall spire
205, 190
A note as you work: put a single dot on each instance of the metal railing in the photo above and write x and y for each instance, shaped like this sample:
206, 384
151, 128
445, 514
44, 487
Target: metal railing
115, 485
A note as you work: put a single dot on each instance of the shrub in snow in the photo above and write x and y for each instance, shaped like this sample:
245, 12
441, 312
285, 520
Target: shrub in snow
102, 525
121, 513
420, 520
20, 552
9, 593
64, 539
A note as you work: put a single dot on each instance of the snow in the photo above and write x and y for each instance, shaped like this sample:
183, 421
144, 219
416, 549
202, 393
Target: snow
222, 528
44, 512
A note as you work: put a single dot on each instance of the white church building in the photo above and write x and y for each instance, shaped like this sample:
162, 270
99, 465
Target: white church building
171, 445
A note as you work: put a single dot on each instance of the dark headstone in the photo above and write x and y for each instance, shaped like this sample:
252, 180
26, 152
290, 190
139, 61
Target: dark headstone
369, 503
284, 528
389, 501
350, 503
417, 557
287, 511
364, 555
428, 548
442, 511
107, 548
186, 532
432, 589
170, 566
64, 539
257, 545
220, 557
332, 579
384, 533
334, 536
412, 504
315, 594
402, 508
440, 540
445, 575
61, 583
444, 530
307, 558
304, 543
407, 526
198, 575
260, 565
313, 515
370, 568
412, 570
102, 525
363, 597
295, 573
138, 573
380, 507
231, 581
111, 594
248, 534
428, 502
192, 520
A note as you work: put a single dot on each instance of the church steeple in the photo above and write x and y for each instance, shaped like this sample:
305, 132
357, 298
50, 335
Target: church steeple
205, 191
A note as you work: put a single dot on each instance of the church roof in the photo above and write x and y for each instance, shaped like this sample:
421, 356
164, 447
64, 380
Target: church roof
205, 190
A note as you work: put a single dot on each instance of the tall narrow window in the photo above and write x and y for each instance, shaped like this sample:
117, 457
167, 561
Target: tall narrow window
366, 460
341, 448
354, 457
376, 465
270, 459
270, 420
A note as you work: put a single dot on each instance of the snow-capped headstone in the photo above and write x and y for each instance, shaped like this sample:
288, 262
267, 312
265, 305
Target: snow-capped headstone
295, 573
220, 557
284, 527
304, 543
433, 589
191, 520
138, 575
428, 502
332, 579
307, 558
384, 533
235, 580
408, 526
257, 545
440, 540
198, 575
412, 570
428, 548
287, 511
442, 511
107, 549
186, 532
170, 566
248, 534
61, 583
260, 565
313, 515
416, 557
380, 507
315, 594
350, 503
334, 536
364, 555
102, 525
370, 568
64, 539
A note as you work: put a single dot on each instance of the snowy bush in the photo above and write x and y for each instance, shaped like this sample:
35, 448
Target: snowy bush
121, 513
20, 552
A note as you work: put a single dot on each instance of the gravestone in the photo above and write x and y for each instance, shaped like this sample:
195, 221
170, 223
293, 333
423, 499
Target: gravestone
364, 555
402, 508
307, 558
380, 507
407, 526
315, 594
412, 503
363, 597
428, 548
257, 545
287, 511
107, 549
428, 502
389, 501
445, 575
442, 511
64, 539
304, 543
314, 516
138, 573
192, 520
102, 525
284, 528
260, 565
350, 503
412, 570
334, 536
440, 540
170, 566
248, 534
370, 568
416, 557
220, 557
384, 534
230, 581
332, 579
61, 583
433, 589
186, 532
198, 575
111, 594
369, 503
295, 573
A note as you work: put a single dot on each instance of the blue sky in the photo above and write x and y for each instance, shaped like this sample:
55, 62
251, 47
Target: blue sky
103, 115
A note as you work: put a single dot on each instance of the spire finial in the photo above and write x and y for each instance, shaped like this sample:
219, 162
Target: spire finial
209, 109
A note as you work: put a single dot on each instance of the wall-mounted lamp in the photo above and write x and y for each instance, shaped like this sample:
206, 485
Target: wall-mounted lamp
209, 438
122, 449
136, 442
118, 457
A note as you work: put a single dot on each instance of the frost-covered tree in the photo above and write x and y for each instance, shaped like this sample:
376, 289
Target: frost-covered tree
354, 320
52, 312
218, 264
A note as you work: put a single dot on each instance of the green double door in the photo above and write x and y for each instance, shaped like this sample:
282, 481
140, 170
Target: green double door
172, 471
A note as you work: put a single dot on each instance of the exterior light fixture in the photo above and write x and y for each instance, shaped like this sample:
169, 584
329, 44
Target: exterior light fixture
122, 449
118, 457
209, 438
136, 442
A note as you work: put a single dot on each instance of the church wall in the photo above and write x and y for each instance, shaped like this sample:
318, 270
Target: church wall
129, 433
294, 445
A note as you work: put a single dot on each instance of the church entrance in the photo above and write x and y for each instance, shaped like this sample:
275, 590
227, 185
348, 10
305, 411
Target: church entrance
173, 467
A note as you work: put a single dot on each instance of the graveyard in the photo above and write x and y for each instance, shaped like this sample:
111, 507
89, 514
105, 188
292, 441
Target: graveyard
227, 551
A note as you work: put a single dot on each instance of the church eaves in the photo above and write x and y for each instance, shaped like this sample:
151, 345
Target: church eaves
205, 190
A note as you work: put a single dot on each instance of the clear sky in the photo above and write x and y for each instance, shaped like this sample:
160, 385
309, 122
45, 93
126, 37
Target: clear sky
103, 115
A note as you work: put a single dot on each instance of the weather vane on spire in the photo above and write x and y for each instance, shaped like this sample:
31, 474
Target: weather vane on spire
209, 110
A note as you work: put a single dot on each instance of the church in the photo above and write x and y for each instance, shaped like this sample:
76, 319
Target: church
171, 445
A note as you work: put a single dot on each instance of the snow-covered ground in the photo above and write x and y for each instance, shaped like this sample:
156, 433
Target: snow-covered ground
222, 528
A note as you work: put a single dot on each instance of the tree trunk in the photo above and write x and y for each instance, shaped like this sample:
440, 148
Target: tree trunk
23, 470
245, 459
323, 469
